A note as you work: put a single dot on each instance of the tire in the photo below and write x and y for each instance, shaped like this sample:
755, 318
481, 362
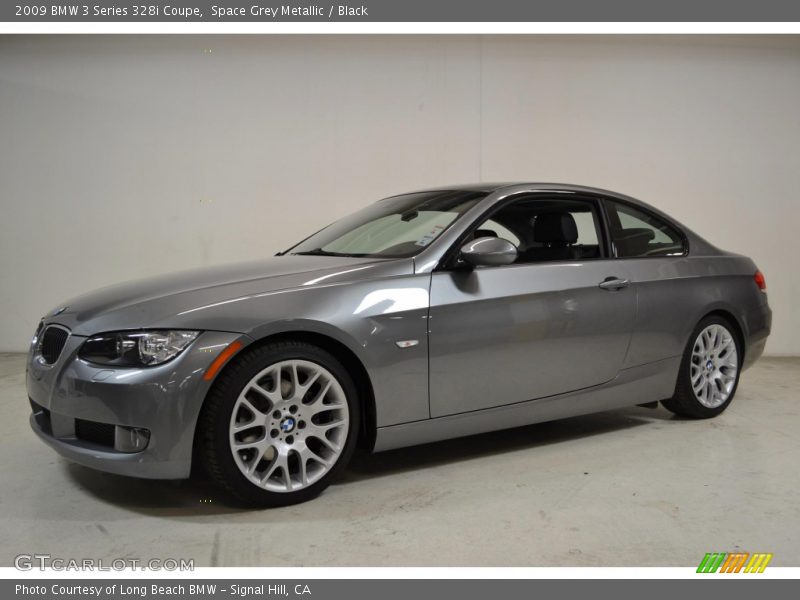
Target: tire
709, 372
260, 432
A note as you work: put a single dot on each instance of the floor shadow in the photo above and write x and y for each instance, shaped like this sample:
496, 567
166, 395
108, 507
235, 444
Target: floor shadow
180, 497
366, 466
198, 496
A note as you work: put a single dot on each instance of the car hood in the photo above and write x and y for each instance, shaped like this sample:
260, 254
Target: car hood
143, 303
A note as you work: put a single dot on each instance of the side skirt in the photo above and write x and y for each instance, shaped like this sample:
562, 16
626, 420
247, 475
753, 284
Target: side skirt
636, 385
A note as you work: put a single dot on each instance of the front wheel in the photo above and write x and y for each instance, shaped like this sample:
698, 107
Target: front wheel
279, 424
709, 372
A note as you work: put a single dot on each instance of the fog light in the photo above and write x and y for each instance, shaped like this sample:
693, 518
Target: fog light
130, 439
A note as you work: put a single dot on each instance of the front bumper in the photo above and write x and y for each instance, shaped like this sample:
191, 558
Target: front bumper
100, 416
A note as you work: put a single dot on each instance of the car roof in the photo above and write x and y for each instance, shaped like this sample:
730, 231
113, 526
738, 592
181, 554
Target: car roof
489, 187
492, 187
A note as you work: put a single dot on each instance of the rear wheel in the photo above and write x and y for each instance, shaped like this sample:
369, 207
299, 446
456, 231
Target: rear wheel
709, 372
279, 424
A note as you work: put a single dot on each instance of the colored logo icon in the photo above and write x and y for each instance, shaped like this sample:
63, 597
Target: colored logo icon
734, 562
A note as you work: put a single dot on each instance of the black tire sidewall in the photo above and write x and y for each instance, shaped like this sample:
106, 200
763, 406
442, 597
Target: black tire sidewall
225, 392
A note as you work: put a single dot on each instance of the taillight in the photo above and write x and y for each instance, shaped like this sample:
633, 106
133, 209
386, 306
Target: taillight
760, 281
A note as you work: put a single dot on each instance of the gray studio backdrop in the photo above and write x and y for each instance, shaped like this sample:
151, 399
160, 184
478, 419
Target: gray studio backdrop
123, 157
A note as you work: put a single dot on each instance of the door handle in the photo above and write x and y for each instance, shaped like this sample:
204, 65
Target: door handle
613, 284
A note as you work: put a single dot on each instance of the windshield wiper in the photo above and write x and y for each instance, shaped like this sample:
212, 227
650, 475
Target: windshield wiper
321, 252
315, 252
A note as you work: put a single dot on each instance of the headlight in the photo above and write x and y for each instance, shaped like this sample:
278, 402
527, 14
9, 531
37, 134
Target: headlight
136, 348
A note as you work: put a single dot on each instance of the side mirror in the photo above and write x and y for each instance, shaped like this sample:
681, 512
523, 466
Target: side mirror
489, 252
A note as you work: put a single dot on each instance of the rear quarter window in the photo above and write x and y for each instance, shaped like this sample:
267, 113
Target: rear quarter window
636, 233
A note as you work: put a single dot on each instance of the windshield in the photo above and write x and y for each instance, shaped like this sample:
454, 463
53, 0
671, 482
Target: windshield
397, 227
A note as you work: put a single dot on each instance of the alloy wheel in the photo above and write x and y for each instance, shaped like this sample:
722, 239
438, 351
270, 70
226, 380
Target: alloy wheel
289, 425
714, 366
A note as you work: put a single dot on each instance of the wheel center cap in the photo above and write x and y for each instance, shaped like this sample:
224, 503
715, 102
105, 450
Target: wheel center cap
710, 365
287, 425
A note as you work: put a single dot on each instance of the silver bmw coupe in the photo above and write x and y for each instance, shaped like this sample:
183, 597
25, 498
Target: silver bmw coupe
425, 316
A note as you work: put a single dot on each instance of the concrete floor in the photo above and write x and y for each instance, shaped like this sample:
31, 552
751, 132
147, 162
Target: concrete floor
634, 487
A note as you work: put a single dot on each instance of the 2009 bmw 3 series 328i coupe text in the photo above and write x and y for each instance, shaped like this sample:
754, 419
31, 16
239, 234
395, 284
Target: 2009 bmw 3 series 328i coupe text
422, 317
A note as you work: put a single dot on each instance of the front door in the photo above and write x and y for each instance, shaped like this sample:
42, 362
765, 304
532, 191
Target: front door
536, 328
